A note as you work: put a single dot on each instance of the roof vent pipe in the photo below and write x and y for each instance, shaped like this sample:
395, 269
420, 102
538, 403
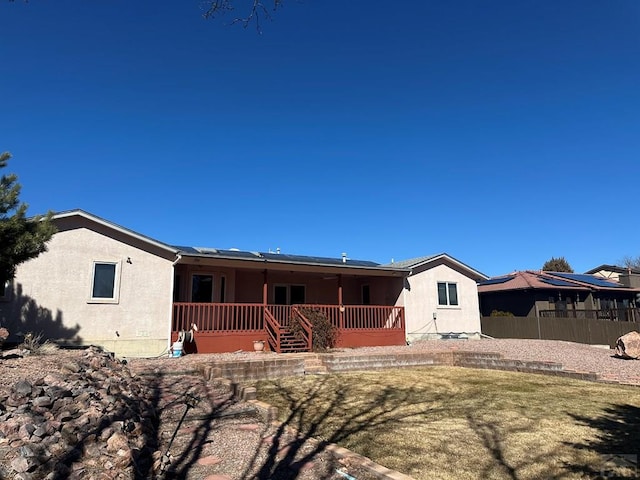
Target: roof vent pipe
344, 257
278, 250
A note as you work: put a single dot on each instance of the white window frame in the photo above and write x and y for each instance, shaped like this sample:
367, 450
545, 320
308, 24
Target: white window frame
116, 282
448, 304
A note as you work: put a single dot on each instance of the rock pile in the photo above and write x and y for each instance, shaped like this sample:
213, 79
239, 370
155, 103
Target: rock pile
92, 420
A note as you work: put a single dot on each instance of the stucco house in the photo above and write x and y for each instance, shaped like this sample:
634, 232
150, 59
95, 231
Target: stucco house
440, 298
102, 284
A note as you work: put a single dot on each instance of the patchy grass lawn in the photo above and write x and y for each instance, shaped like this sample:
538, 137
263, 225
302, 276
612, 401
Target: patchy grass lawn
460, 423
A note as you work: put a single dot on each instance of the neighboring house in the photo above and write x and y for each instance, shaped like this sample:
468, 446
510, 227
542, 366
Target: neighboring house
103, 284
625, 275
440, 297
557, 294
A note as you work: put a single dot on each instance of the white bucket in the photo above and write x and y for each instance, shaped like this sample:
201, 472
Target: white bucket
176, 348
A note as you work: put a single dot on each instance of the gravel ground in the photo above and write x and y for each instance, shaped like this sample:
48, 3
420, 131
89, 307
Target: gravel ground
573, 356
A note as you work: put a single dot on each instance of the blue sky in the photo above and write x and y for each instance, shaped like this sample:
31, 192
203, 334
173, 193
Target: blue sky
500, 132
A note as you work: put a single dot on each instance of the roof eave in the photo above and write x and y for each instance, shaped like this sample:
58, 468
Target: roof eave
259, 260
115, 226
473, 271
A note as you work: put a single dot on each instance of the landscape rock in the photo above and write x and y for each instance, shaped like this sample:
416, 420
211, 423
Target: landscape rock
22, 388
22, 464
73, 426
628, 346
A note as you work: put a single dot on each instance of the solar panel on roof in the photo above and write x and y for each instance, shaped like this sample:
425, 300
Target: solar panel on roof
237, 254
556, 282
497, 280
186, 249
590, 279
283, 257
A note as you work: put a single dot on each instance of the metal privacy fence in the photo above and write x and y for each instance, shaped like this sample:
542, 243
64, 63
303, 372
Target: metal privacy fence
580, 330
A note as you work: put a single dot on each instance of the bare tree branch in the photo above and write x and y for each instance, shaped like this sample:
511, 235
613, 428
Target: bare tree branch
630, 262
258, 11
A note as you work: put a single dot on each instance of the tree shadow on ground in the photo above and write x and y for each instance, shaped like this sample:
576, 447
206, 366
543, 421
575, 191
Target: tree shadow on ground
617, 442
337, 423
494, 437
22, 314
199, 408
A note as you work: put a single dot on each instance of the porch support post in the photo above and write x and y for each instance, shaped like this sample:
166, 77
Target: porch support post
265, 289
340, 306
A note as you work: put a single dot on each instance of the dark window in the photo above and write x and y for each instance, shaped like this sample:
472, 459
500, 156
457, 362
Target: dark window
202, 289
297, 294
442, 294
366, 295
447, 293
453, 294
280, 294
289, 294
104, 280
176, 288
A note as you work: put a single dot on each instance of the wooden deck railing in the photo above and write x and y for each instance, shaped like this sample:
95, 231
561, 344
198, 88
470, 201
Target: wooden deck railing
307, 327
616, 314
234, 325
348, 316
273, 330
218, 317
242, 317
281, 313
363, 317
373, 317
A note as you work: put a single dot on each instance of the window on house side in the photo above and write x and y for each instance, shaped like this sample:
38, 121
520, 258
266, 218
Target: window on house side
4, 291
104, 281
447, 293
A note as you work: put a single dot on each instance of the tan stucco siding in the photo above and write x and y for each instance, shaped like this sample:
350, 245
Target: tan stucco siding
59, 281
420, 298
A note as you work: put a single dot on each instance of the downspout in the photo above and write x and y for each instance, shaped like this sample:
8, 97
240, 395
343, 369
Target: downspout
171, 289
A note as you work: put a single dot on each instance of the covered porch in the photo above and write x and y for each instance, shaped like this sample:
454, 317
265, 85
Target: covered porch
235, 298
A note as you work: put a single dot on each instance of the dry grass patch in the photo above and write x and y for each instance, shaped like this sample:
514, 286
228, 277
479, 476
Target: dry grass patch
447, 422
